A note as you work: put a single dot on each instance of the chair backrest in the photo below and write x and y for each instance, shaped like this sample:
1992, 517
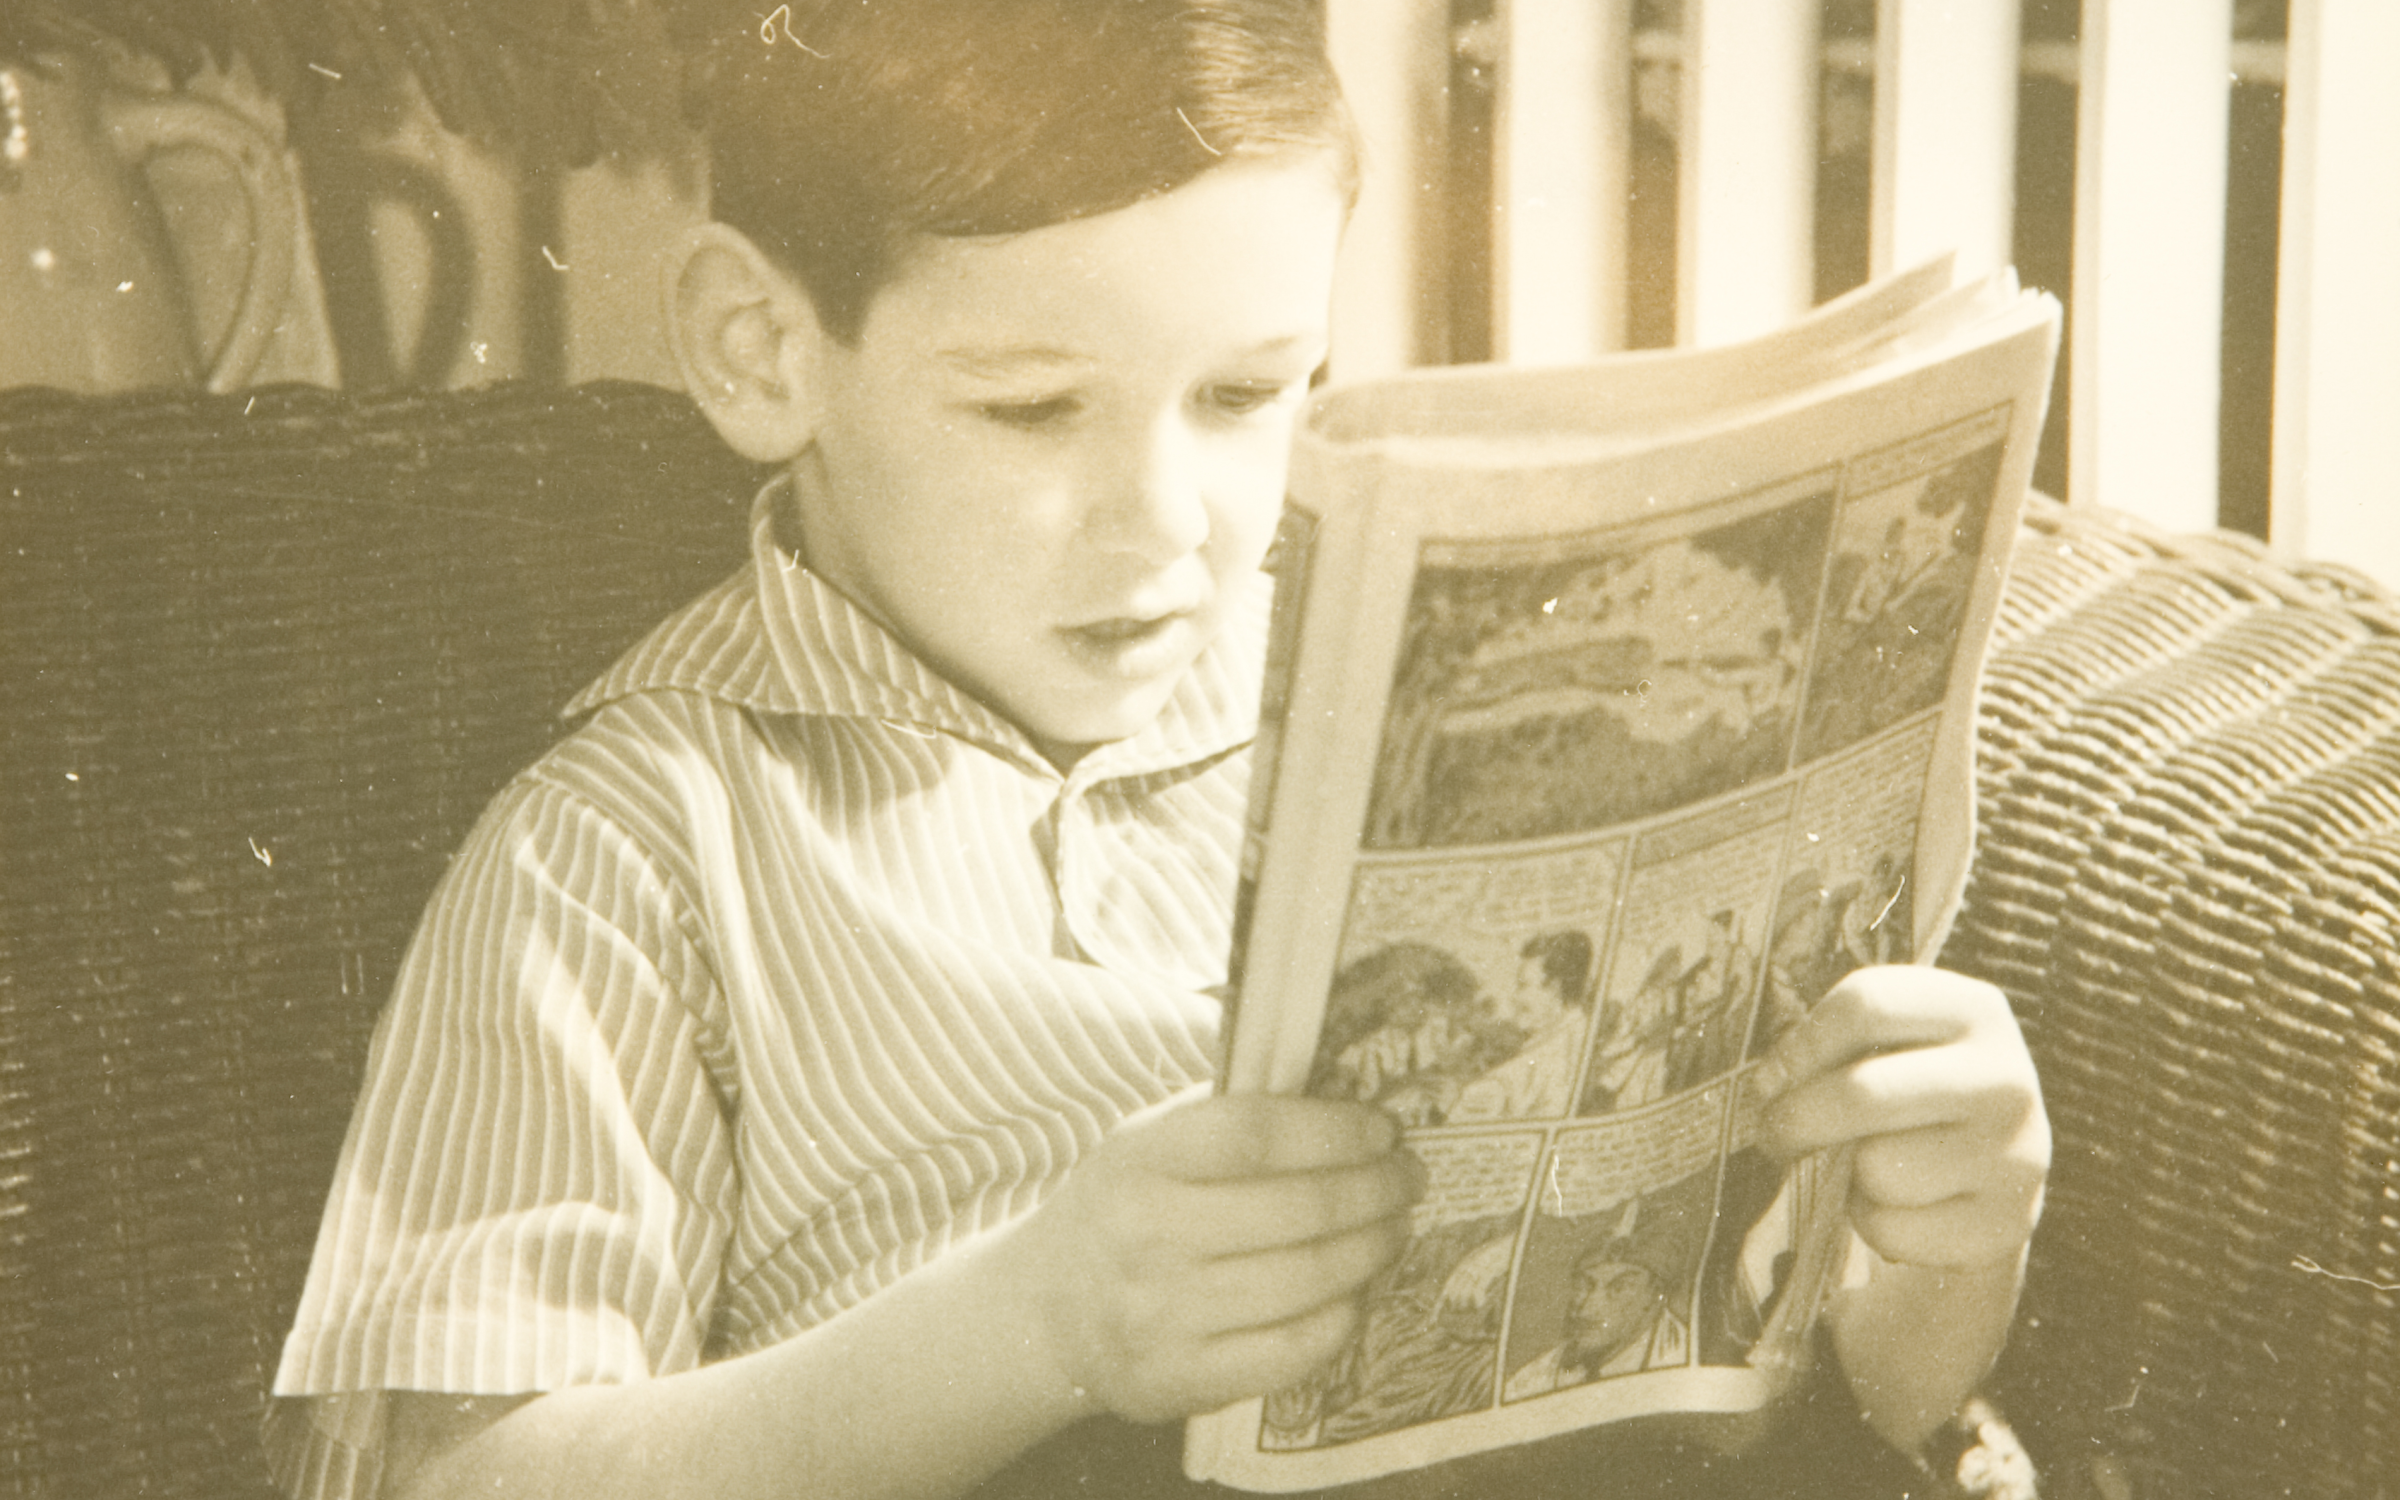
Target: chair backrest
1558, 176
263, 658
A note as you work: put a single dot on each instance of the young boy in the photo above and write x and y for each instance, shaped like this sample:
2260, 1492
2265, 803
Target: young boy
799, 1082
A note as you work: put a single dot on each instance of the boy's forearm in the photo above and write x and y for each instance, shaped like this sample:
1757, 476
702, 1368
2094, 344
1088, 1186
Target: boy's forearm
1915, 1341
922, 1391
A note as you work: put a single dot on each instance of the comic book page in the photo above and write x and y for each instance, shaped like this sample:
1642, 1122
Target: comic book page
1588, 767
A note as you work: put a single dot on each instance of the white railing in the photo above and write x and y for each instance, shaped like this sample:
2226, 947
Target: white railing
2149, 249
2152, 80
2337, 364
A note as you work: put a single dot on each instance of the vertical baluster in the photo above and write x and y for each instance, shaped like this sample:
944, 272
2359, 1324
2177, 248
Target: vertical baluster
1945, 132
2149, 258
2337, 362
1560, 178
1394, 59
1748, 168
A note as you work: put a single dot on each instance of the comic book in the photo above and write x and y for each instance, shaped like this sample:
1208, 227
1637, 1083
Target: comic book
1613, 713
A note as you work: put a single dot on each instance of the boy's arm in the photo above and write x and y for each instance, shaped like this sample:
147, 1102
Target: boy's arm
922, 1390
1926, 1073
1208, 1251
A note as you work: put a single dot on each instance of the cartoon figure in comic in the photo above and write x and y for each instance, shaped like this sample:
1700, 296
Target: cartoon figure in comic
1621, 1313
1629, 1067
1551, 1004
1406, 1027
1430, 1347
1683, 1025
1711, 1012
1897, 590
1822, 932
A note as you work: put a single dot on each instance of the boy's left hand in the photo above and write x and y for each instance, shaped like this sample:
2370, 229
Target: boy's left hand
1926, 1072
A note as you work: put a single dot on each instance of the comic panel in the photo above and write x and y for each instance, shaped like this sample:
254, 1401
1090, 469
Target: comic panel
1608, 1282
1905, 554
1750, 1251
1675, 1008
1464, 990
1594, 681
1429, 1346
1846, 901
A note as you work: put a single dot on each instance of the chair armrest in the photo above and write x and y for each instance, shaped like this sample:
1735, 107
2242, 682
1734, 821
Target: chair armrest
2188, 879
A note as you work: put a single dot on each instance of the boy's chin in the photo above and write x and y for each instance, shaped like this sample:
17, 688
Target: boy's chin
1077, 733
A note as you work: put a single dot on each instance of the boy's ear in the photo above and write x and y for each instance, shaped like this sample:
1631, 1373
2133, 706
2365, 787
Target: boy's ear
745, 337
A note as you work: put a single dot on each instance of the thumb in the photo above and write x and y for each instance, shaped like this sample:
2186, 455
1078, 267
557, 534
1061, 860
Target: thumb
1870, 1012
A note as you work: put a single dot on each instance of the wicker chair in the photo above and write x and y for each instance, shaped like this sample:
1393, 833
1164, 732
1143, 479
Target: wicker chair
2189, 880
267, 655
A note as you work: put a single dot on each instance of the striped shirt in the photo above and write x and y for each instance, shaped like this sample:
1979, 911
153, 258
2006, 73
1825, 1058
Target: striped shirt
790, 968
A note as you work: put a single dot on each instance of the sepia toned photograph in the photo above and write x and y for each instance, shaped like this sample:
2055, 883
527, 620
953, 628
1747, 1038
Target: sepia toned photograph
1007, 749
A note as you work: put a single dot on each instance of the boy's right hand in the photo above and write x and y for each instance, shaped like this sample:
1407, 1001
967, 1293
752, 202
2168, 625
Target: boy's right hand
1211, 1250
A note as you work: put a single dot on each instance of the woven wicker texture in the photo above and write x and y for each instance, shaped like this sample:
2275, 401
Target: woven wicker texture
266, 657
261, 671
2189, 880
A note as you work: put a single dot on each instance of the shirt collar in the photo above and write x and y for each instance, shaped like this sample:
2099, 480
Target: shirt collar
776, 638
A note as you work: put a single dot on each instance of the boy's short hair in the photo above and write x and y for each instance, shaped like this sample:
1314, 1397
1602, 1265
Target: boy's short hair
841, 130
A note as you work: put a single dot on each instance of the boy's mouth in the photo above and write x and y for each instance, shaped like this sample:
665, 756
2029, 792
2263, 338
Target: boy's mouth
1122, 631
1129, 644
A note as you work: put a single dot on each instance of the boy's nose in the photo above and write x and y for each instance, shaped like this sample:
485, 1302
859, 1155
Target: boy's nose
1151, 502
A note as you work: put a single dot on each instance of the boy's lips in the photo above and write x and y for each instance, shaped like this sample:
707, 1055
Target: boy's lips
1123, 628
1132, 645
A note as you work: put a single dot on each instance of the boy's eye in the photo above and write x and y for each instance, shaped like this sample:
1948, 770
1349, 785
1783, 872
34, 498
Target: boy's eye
1030, 414
1241, 398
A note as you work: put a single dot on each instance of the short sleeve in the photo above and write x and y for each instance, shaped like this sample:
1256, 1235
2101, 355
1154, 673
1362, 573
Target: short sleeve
538, 1180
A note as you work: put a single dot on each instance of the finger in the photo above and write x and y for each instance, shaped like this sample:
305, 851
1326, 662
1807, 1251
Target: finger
1920, 1168
1249, 1135
1239, 1216
1269, 1287
1955, 1234
1207, 1373
1874, 1010
1253, 1361
1881, 1095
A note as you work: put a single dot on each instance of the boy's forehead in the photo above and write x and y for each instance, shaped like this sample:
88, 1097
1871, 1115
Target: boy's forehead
1242, 256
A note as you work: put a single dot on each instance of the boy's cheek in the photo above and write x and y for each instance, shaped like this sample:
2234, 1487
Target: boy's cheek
1250, 526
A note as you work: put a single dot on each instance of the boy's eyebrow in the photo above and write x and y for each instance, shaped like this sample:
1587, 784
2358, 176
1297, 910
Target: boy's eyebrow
1010, 359
1290, 341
